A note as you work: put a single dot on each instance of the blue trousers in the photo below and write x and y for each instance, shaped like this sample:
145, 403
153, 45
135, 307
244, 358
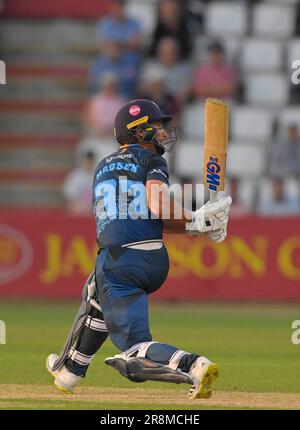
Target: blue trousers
124, 279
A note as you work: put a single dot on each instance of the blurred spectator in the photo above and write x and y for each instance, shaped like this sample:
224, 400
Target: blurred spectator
77, 188
215, 78
152, 87
101, 109
125, 65
279, 204
285, 154
195, 10
172, 22
178, 72
117, 27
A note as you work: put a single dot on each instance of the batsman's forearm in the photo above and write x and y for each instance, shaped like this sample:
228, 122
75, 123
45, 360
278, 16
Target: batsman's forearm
173, 224
163, 205
173, 213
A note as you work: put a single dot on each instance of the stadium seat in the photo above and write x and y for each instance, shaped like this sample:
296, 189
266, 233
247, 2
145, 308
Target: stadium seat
245, 161
292, 187
226, 19
20, 194
189, 159
246, 191
192, 121
293, 51
233, 47
57, 35
273, 20
281, 2
289, 115
261, 55
145, 13
251, 124
269, 90
101, 148
200, 45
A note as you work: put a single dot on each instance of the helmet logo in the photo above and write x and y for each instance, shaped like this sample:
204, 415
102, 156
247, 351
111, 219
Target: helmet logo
134, 110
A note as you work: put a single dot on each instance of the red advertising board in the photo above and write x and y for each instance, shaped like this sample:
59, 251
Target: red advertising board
55, 8
51, 254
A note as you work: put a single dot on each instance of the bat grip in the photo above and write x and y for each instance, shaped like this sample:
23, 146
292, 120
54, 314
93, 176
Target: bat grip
213, 195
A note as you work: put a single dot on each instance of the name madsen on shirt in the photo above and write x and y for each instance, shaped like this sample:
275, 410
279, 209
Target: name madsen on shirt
126, 167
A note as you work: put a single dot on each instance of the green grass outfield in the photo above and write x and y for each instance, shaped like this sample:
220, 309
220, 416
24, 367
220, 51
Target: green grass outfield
260, 366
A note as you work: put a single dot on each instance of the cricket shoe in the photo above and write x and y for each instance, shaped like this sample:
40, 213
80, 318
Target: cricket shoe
203, 373
65, 380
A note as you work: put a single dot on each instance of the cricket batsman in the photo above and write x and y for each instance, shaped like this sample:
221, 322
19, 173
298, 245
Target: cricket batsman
130, 198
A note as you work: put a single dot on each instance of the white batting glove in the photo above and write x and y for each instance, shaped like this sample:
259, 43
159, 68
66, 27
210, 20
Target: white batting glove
210, 217
218, 235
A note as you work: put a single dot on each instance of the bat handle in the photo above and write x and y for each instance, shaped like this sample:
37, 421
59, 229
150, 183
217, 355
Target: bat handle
213, 195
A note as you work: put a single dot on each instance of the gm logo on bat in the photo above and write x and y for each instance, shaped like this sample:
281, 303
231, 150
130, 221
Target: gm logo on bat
213, 169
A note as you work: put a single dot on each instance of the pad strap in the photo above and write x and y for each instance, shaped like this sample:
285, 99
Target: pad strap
96, 324
80, 358
175, 359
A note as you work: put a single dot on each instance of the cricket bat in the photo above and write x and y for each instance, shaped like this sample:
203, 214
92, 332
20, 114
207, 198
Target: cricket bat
215, 146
